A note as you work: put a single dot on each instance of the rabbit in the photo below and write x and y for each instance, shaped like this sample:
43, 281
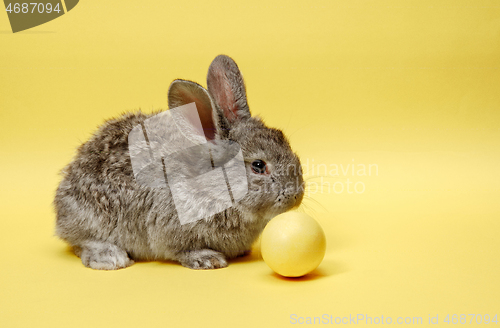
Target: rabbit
110, 220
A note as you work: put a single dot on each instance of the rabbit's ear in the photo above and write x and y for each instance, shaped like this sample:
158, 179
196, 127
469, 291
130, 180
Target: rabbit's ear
182, 92
227, 88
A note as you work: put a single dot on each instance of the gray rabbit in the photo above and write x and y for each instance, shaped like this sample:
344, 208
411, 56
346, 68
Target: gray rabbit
110, 220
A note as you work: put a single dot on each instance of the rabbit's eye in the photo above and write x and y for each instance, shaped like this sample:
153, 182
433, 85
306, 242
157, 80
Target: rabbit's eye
259, 167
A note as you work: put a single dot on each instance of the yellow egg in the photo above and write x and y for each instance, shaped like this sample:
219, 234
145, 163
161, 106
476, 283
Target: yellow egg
293, 244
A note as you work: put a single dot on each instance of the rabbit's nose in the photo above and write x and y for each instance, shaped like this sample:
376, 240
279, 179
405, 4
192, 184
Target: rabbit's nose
290, 198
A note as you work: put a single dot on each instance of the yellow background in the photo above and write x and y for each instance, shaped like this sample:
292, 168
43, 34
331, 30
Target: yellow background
411, 86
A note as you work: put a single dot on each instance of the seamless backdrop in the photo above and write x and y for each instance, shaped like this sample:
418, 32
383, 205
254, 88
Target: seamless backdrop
406, 88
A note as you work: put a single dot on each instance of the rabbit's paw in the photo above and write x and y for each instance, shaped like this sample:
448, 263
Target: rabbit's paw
202, 259
104, 256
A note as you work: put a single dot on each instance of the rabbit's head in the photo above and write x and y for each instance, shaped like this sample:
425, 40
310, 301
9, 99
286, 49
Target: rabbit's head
273, 170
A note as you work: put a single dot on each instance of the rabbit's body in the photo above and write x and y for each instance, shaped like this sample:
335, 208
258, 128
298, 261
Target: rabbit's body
110, 219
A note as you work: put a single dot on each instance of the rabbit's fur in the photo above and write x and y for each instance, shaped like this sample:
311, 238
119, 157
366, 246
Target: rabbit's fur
110, 220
